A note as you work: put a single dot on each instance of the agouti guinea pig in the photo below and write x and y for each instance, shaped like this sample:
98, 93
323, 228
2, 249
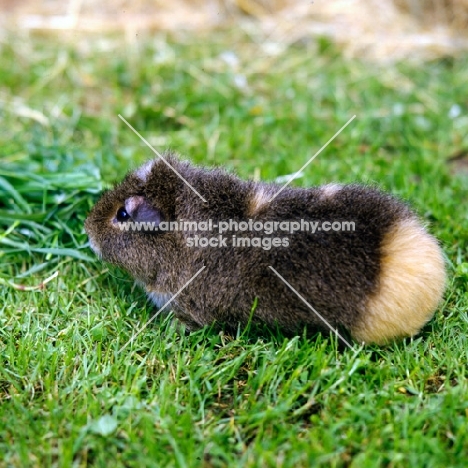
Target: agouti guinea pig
359, 258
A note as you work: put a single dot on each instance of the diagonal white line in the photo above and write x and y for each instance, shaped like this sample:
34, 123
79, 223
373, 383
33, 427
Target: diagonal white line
162, 308
311, 159
160, 156
311, 308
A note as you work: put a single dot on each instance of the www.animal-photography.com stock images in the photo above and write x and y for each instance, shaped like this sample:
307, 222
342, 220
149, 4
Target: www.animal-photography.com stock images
234, 233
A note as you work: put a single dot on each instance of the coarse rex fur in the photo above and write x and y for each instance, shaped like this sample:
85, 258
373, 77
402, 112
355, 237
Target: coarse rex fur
345, 276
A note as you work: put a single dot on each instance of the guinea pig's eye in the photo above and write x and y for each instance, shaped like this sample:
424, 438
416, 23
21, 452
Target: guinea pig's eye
122, 215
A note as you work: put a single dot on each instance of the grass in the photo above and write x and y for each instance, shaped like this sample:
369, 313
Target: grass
69, 398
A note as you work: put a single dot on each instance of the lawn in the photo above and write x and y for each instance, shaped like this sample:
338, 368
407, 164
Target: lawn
68, 397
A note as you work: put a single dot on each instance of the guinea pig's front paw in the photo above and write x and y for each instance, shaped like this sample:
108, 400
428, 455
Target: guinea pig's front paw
186, 325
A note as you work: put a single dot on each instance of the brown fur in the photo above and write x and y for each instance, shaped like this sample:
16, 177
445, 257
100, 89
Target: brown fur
345, 276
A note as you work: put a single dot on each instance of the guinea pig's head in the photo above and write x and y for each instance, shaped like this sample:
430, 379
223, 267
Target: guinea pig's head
122, 226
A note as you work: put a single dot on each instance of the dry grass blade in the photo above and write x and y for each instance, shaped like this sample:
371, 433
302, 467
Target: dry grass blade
383, 30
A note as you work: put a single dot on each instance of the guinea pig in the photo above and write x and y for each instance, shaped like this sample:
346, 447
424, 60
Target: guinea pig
361, 259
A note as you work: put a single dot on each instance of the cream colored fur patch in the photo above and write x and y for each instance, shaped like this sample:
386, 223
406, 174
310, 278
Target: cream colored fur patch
159, 299
144, 171
411, 285
328, 191
95, 247
259, 199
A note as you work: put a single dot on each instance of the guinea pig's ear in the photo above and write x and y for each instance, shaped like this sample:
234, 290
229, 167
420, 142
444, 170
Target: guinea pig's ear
140, 210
